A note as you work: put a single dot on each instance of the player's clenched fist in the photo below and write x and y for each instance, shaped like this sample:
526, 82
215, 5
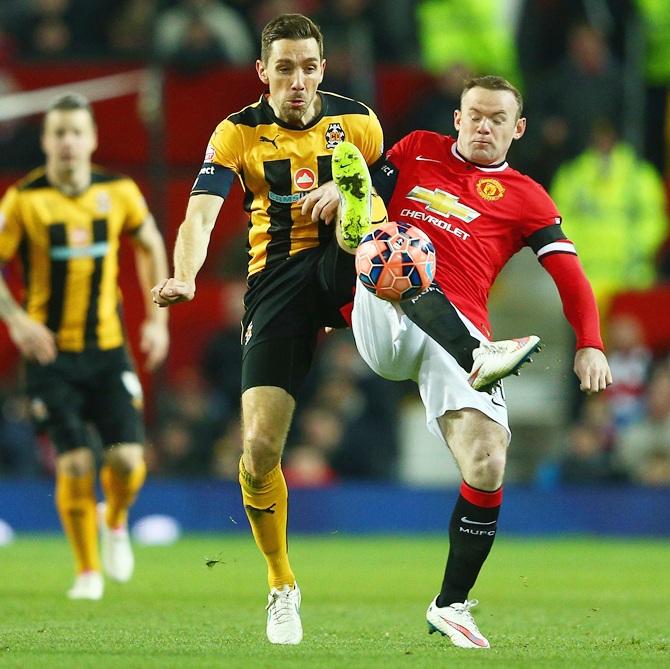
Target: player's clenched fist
171, 291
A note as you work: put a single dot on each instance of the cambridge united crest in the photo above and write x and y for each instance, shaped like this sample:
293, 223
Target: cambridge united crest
334, 135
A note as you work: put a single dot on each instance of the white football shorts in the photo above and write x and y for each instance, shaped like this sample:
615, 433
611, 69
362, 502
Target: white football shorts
397, 349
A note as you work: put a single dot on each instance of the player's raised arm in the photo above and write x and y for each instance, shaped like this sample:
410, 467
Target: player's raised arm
190, 250
579, 307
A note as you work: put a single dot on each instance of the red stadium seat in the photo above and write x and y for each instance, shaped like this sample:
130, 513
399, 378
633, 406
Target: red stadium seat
652, 309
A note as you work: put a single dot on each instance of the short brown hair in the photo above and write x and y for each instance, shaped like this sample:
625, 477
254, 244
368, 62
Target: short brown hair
289, 26
70, 102
494, 83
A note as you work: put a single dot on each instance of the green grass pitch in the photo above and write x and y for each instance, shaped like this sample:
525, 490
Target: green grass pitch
544, 603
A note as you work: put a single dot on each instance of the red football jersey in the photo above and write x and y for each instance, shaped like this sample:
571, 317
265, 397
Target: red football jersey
477, 217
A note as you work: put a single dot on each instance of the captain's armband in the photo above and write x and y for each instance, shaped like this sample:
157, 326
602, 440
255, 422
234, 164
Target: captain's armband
213, 179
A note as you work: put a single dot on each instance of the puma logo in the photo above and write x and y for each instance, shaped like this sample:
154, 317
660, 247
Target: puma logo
270, 141
254, 510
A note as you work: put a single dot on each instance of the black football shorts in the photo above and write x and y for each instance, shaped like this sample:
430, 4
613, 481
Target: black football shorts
94, 387
285, 307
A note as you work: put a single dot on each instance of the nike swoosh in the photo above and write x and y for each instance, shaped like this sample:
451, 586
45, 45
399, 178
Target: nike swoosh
478, 641
464, 519
430, 160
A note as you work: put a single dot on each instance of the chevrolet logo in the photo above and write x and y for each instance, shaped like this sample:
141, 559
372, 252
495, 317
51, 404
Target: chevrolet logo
444, 203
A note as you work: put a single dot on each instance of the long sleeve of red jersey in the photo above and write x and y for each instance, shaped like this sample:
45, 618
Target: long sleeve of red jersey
579, 304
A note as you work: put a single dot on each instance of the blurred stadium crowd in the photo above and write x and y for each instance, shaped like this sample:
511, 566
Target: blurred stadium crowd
596, 79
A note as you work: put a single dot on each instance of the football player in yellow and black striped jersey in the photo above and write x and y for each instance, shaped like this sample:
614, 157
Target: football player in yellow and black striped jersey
279, 165
65, 221
301, 271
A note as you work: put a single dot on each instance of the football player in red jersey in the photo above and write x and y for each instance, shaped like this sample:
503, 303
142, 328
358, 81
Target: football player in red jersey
478, 212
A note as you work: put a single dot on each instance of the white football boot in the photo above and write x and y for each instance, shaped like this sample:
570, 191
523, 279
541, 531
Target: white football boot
495, 360
88, 585
352, 177
118, 560
284, 625
456, 622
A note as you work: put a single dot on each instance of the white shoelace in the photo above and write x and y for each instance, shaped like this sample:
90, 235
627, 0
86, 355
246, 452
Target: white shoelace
496, 347
281, 607
465, 608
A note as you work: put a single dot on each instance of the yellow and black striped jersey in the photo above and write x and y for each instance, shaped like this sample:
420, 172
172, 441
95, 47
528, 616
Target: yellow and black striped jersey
278, 165
68, 246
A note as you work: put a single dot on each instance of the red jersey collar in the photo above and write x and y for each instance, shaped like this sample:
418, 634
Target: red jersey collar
499, 167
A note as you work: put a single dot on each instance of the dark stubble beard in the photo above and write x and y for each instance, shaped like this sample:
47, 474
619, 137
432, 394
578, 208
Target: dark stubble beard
294, 117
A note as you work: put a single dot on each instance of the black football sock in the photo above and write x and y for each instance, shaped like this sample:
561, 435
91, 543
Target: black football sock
436, 316
471, 533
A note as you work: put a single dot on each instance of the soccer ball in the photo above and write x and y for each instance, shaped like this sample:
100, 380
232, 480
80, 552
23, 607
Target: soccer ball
396, 261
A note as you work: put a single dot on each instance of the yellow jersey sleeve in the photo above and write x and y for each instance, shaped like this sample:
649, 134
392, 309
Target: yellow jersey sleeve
372, 142
136, 206
11, 227
226, 147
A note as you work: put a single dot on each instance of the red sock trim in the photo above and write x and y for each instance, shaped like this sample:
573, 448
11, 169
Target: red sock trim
346, 311
483, 498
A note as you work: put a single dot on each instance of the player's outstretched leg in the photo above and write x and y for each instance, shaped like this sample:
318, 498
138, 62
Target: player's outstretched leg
350, 173
456, 622
495, 360
284, 625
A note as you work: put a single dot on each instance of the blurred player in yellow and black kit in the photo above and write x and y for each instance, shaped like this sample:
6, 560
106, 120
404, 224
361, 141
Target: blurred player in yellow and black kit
65, 221
286, 149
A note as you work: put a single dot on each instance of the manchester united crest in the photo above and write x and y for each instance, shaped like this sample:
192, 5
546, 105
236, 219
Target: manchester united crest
490, 189
334, 135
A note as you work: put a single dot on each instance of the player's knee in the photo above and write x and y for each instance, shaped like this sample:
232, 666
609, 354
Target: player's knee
260, 464
77, 462
486, 468
262, 452
124, 458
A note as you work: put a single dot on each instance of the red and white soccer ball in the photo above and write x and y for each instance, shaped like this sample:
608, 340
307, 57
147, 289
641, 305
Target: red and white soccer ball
396, 261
